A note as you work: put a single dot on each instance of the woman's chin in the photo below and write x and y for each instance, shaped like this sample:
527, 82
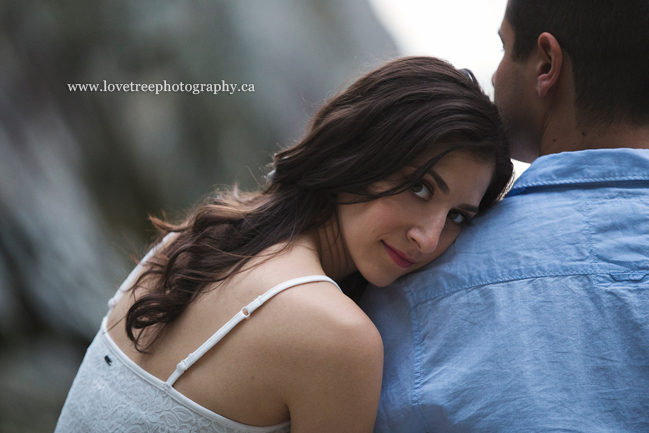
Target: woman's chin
380, 280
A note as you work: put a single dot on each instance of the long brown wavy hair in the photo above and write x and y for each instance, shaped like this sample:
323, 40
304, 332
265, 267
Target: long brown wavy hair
369, 131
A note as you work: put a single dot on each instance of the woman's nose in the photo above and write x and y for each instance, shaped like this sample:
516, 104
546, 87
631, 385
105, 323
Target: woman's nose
426, 233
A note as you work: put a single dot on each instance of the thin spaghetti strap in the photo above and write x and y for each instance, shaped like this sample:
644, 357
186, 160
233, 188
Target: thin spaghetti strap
241, 315
135, 273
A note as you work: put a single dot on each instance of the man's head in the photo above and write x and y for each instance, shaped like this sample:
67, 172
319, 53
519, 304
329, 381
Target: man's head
602, 48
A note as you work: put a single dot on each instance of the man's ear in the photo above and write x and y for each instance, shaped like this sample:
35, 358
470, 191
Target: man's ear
549, 66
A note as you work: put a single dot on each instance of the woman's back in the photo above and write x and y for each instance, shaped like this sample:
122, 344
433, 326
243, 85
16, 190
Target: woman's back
272, 360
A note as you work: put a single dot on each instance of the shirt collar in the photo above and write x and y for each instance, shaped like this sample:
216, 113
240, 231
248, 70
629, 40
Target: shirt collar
585, 167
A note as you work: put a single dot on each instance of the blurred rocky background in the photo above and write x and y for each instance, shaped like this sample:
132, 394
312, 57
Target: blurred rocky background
80, 171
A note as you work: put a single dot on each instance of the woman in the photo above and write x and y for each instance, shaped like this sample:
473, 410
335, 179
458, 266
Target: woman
381, 184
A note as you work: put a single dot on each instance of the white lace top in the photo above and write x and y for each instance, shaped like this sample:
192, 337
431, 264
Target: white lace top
111, 393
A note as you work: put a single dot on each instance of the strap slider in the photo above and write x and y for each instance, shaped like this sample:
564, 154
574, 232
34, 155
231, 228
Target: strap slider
181, 367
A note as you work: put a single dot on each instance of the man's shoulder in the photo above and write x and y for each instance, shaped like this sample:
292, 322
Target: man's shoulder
553, 223
563, 217
519, 238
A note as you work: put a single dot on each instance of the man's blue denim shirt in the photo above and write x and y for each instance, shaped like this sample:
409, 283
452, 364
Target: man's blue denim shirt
537, 317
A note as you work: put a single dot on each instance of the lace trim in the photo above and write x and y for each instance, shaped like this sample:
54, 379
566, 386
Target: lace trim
175, 394
109, 394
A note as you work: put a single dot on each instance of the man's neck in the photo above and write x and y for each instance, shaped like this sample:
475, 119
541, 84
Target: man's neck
562, 137
562, 132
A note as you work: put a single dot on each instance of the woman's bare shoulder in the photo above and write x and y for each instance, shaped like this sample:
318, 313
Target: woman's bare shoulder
324, 313
314, 314
316, 328
327, 357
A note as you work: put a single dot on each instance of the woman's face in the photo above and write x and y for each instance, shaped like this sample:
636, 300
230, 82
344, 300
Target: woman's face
394, 235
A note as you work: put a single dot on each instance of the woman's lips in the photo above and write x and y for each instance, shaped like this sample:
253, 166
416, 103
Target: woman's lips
400, 258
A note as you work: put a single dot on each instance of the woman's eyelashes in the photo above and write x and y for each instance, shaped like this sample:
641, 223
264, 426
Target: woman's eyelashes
422, 190
459, 218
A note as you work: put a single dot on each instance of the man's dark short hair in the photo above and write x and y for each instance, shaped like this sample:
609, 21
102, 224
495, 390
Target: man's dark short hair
608, 44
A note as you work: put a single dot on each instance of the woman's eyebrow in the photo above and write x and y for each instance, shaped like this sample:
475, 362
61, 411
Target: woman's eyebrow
439, 181
446, 190
469, 208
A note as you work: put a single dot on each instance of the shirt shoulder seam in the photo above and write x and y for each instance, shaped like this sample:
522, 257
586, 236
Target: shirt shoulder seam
586, 270
557, 182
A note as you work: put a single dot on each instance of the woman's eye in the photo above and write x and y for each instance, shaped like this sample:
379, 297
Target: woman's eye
457, 217
421, 190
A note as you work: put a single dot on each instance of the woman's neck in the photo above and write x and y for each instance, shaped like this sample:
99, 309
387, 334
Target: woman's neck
328, 243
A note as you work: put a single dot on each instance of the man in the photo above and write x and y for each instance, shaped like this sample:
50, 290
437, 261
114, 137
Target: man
537, 318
